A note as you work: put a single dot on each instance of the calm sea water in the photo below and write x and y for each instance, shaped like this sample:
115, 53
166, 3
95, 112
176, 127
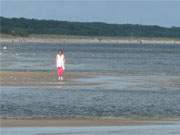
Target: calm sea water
133, 58
146, 82
168, 129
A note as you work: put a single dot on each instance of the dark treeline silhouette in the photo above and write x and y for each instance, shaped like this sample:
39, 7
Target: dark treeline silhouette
25, 27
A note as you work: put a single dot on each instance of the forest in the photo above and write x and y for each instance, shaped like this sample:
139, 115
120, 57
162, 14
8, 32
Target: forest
25, 27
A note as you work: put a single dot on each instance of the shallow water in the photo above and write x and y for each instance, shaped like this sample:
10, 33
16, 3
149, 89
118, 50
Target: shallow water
132, 58
65, 102
143, 81
168, 129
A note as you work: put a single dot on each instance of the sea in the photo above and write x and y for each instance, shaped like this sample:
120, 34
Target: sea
134, 81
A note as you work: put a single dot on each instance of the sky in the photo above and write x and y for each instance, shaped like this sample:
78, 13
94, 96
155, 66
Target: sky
147, 12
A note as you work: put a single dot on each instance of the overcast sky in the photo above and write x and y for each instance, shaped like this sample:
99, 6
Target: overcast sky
153, 12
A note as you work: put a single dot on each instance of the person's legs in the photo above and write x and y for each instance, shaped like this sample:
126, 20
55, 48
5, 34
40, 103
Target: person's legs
60, 73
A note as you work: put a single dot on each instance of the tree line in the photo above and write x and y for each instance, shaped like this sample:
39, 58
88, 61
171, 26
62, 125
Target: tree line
25, 27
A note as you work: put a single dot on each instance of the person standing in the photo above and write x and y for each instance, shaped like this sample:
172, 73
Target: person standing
60, 64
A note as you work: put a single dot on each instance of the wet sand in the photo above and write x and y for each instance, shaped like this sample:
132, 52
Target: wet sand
40, 78
78, 122
49, 78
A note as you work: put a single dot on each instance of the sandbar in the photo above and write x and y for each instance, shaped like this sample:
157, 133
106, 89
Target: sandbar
43, 78
63, 39
71, 122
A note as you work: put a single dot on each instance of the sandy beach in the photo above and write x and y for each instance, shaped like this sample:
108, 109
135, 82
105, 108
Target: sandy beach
30, 78
75, 122
85, 40
89, 97
46, 78
89, 67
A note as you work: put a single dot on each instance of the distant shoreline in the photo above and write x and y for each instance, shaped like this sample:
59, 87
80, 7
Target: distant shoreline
85, 40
